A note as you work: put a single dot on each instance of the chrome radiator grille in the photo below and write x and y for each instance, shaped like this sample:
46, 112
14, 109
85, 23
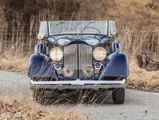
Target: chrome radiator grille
78, 56
70, 58
85, 58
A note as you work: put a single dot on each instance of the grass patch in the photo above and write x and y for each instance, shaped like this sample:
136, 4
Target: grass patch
20, 110
142, 79
14, 63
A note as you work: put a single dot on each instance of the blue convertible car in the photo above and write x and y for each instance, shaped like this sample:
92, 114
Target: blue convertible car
75, 55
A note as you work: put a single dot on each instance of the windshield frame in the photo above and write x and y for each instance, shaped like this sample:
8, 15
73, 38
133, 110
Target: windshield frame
48, 28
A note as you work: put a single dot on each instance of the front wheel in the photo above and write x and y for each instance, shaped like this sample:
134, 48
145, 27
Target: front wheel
118, 95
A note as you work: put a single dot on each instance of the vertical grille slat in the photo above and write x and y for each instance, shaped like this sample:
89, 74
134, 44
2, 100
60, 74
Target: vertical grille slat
84, 55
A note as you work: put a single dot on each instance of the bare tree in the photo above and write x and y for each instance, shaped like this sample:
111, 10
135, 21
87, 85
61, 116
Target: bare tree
153, 3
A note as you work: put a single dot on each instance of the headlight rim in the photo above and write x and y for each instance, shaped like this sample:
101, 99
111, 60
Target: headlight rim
100, 48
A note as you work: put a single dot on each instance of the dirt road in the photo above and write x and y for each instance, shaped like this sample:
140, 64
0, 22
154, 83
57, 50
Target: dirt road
138, 105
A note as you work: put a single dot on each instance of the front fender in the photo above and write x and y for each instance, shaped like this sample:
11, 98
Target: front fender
116, 66
39, 66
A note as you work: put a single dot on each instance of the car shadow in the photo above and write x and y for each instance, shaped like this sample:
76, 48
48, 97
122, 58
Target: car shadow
86, 97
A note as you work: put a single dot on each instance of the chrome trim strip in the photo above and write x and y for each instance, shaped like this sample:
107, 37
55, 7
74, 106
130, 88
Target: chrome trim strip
78, 82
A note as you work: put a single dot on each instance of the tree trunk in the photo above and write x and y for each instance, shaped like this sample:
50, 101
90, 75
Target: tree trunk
147, 63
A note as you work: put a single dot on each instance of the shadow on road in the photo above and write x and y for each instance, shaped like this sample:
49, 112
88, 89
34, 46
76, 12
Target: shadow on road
74, 97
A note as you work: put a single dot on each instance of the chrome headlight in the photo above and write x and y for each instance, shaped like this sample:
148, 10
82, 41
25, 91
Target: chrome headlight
56, 54
68, 71
88, 71
99, 53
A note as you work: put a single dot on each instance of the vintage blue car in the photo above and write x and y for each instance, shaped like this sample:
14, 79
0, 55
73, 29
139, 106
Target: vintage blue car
78, 55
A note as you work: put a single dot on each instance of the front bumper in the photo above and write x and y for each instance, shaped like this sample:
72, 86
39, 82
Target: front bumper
77, 84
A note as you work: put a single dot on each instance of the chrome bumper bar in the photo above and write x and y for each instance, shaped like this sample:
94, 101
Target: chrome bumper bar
77, 84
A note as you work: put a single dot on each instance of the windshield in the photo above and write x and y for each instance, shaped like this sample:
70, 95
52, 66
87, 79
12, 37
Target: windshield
56, 27
91, 39
48, 28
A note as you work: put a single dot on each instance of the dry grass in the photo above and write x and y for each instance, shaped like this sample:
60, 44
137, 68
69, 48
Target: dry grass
142, 79
13, 109
14, 63
134, 11
74, 115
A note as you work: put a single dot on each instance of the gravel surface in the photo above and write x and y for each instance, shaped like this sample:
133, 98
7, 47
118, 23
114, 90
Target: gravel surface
138, 105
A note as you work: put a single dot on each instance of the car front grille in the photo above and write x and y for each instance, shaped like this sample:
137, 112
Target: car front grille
78, 56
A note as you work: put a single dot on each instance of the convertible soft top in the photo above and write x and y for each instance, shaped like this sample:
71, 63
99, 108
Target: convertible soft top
48, 28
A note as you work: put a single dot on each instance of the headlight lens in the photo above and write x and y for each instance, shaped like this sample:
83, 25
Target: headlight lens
88, 71
99, 53
56, 54
68, 71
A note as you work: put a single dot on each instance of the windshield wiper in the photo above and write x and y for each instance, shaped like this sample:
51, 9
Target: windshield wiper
84, 28
87, 27
62, 22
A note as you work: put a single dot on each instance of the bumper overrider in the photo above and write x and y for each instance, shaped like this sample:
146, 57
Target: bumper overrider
77, 84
